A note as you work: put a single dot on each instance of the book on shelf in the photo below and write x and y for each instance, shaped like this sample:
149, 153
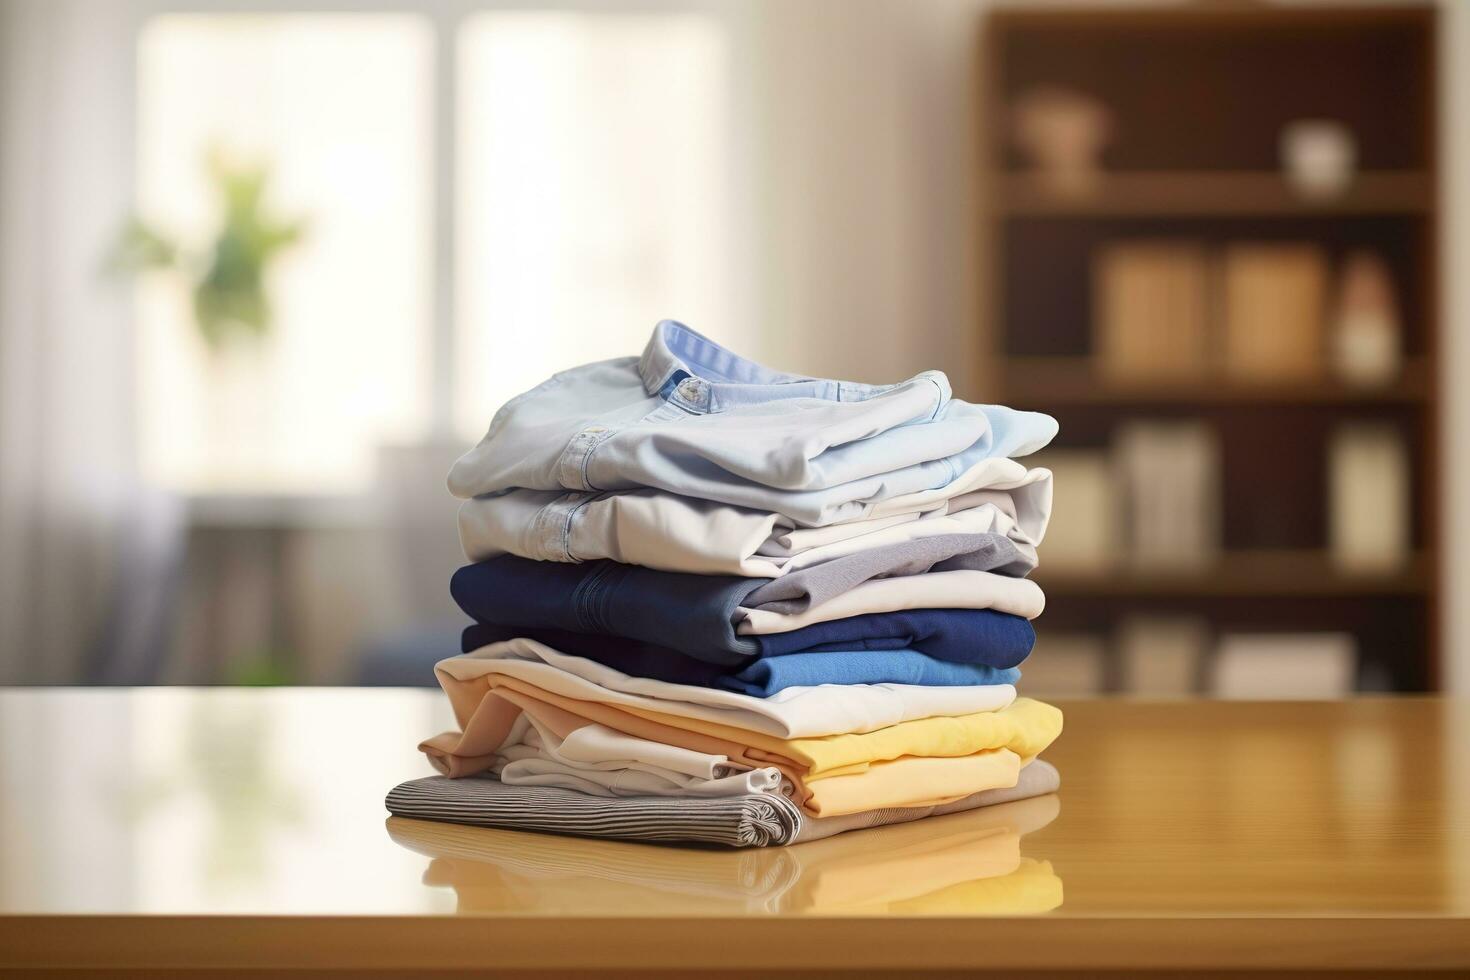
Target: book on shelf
1368, 497
1082, 533
1285, 666
1169, 476
1151, 317
1275, 306
1162, 656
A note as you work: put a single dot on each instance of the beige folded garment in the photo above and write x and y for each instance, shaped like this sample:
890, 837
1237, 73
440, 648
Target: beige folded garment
1024, 726
852, 788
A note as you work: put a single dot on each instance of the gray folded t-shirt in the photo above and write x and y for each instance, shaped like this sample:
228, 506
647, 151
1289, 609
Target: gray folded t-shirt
798, 591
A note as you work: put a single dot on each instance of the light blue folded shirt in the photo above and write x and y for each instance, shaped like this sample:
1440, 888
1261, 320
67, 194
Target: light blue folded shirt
769, 675
693, 418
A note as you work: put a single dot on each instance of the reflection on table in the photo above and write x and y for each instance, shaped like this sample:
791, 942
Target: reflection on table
961, 864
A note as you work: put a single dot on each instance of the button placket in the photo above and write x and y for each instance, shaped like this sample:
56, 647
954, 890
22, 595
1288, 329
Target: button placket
571, 468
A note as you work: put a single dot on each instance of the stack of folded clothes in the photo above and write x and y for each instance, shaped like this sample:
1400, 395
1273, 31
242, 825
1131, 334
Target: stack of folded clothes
713, 602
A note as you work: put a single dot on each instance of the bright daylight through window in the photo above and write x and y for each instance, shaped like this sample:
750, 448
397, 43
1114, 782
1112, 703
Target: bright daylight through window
334, 115
336, 112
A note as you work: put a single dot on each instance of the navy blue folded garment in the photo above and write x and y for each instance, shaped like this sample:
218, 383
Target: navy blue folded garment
696, 614
763, 676
965, 636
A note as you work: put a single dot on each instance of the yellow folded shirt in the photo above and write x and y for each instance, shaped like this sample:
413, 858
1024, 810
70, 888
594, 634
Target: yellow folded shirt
1025, 727
912, 781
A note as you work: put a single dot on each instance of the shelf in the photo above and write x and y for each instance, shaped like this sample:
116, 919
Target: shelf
1060, 381
1240, 573
1198, 158
1212, 193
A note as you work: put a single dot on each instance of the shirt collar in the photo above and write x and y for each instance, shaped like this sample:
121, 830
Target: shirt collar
675, 348
658, 363
707, 377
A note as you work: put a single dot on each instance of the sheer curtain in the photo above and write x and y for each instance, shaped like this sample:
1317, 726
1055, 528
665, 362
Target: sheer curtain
66, 487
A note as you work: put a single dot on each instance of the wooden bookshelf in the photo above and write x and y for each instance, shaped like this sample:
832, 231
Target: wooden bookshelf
1242, 573
1158, 193
1198, 96
1054, 381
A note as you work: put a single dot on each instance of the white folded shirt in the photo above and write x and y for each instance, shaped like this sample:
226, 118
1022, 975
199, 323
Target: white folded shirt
795, 712
595, 746
632, 782
597, 760
959, 589
683, 534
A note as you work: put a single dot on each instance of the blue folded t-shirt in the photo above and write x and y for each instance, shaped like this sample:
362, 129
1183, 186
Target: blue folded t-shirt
762, 676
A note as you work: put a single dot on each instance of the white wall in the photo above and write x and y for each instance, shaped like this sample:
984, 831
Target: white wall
867, 238
65, 356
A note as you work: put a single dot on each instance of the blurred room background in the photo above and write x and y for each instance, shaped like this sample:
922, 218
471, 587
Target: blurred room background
265, 271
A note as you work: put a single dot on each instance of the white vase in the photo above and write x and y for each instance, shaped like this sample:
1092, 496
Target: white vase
1319, 156
1366, 347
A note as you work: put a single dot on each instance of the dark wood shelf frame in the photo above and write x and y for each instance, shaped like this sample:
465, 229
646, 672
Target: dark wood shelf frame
1075, 381
1248, 573
1198, 95
1205, 193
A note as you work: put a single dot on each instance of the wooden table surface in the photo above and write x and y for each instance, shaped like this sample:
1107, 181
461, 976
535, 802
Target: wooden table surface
187, 830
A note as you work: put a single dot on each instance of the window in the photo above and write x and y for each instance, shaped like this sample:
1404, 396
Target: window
592, 186
589, 199
339, 108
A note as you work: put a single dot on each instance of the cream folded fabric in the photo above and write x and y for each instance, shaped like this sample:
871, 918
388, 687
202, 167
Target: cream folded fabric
603, 762
795, 712
599, 747
905, 782
961, 589
1025, 727
922, 762
520, 766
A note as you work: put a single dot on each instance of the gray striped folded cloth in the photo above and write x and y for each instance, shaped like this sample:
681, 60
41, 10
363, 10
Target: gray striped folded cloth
757, 820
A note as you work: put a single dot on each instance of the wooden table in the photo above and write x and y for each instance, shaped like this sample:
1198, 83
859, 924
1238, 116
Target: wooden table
176, 830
